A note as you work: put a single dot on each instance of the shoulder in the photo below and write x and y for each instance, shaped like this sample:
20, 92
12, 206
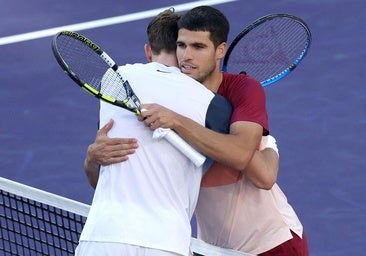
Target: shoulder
132, 67
230, 79
239, 84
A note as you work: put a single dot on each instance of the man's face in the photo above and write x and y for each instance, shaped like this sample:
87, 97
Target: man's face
196, 54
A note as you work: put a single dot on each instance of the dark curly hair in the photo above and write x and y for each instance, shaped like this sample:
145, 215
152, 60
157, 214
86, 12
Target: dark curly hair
206, 18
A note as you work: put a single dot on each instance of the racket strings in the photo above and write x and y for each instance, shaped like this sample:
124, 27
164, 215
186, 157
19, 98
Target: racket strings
93, 70
82, 61
269, 48
115, 87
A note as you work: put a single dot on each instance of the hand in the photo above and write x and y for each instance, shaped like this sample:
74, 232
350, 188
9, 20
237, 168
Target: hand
106, 151
156, 116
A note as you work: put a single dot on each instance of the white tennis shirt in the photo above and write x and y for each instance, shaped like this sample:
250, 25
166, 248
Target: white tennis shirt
149, 200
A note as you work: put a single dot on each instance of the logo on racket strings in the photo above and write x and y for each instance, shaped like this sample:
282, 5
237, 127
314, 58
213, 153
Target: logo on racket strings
82, 39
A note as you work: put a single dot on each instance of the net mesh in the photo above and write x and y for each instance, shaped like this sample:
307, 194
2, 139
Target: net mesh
32, 227
35, 222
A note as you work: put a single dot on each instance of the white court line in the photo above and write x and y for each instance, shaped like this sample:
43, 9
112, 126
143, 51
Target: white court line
105, 22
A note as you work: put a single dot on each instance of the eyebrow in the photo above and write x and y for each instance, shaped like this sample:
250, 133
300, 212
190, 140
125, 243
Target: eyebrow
200, 44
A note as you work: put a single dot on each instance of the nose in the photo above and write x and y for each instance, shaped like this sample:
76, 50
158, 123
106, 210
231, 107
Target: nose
184, 54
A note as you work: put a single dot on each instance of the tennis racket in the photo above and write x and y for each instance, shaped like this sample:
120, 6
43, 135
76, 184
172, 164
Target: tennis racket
95, 71
269, 49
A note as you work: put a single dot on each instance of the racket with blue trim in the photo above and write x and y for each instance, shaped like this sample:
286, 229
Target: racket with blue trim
270, 48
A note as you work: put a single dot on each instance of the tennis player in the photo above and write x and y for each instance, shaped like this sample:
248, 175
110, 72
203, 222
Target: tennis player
240, 205
144, 206
220, 221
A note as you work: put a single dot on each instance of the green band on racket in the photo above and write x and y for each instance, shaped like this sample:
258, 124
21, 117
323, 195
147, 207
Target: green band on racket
91, 89
106, 98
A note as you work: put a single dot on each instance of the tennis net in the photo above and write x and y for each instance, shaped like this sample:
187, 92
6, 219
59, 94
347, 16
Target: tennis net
36, 222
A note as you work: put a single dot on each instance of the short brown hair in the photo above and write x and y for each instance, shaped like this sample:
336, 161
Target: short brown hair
162, 31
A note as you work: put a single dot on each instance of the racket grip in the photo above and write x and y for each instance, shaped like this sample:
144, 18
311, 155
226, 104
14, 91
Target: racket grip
197, 158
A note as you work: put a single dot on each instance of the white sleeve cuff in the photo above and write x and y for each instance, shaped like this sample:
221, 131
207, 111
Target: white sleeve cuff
268, 142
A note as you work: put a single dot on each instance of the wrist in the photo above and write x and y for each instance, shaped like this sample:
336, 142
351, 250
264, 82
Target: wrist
268, 142
89, 163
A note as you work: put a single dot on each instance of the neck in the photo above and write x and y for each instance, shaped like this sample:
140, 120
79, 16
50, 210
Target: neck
168, 59
213, 82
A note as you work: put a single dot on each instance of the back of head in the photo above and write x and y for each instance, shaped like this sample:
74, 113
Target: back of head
206, 18
162, 32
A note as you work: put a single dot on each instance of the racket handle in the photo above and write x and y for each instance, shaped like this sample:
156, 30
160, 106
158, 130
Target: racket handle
197, 158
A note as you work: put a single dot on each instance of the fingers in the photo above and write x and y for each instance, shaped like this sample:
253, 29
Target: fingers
155, 116
106, 128
149, 115
112, 150
145, 113
106, 151
116, 157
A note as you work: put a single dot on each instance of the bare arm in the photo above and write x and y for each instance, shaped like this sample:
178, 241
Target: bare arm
263, 168
106, 151
234, 150
237, 150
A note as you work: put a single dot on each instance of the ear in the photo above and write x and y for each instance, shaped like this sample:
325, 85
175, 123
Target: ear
148, 53
221, 50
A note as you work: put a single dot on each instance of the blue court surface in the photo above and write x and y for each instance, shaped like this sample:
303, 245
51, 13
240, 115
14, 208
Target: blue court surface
317, 113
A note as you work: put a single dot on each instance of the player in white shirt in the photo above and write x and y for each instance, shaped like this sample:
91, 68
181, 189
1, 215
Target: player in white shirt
144, 206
